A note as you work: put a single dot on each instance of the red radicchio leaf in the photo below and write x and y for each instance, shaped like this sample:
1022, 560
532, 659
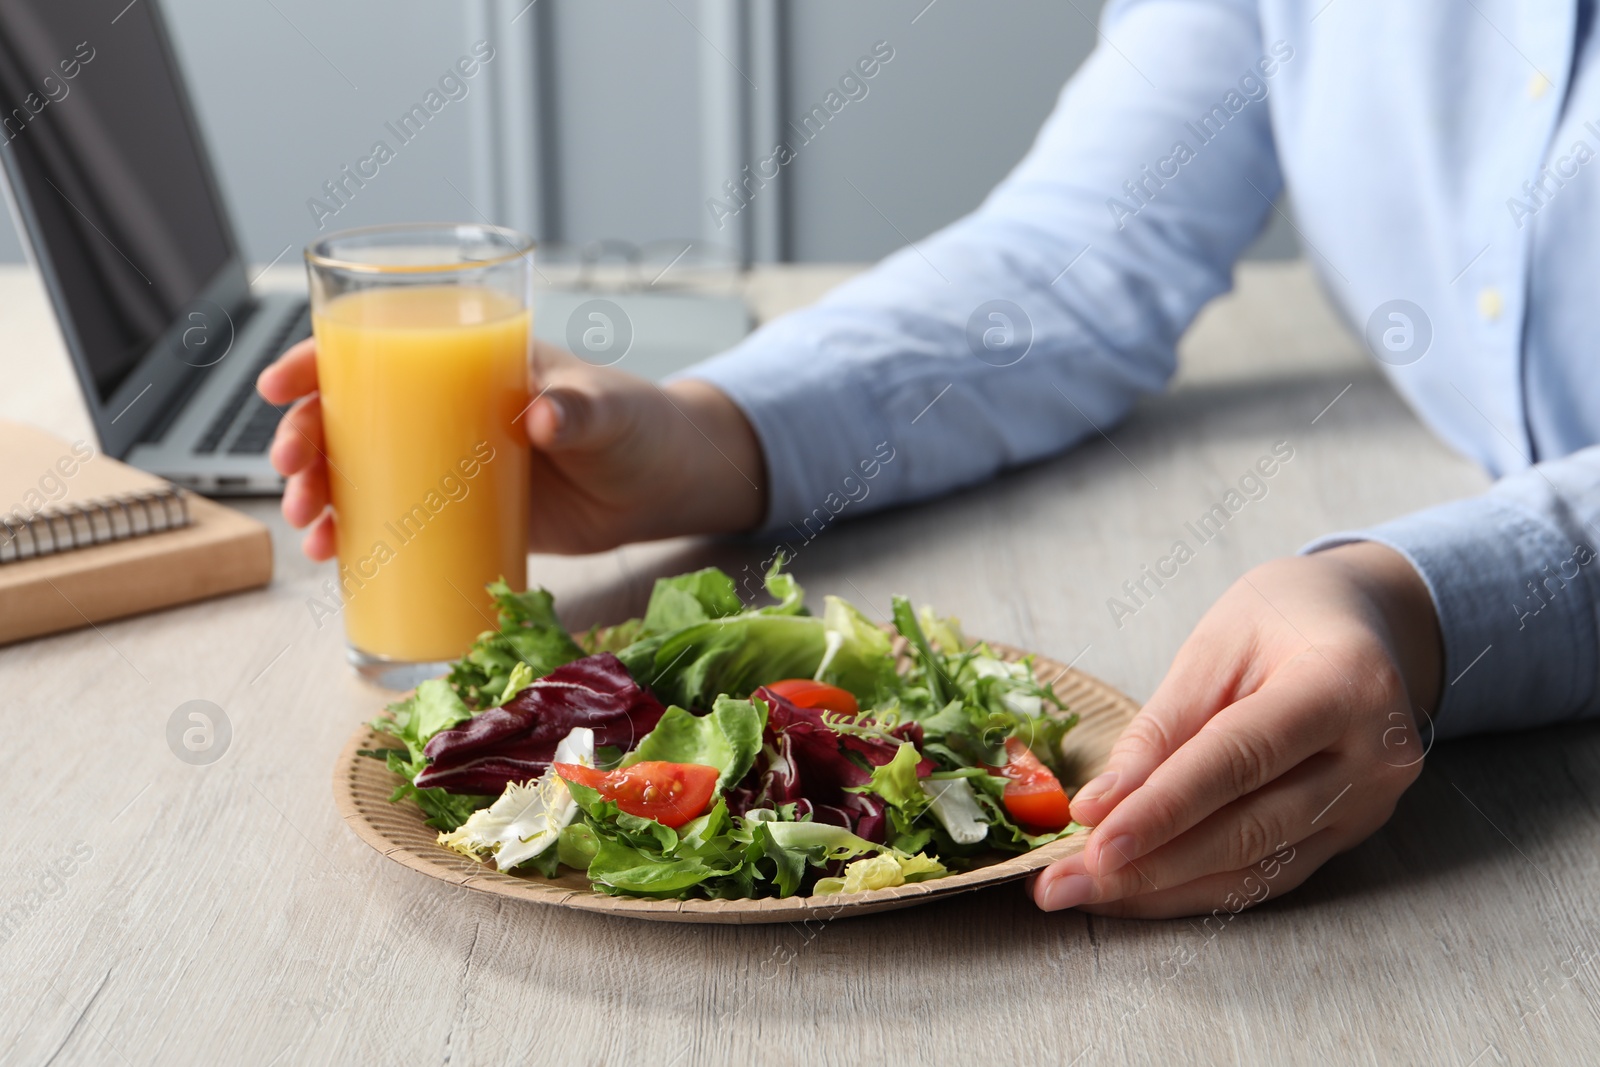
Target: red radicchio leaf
804, 762
516, 742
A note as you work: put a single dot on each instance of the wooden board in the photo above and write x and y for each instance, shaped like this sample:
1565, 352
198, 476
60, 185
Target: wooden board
362, 786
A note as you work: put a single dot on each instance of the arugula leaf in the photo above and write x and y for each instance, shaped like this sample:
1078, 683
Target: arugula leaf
929, 665
529, 633
728, 738
1043, 735
784, 868
444, 811
822, 840
985, 702
618, 866
639, 857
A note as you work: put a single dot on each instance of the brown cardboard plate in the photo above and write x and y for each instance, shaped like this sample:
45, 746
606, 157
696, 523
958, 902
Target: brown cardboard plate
362, 785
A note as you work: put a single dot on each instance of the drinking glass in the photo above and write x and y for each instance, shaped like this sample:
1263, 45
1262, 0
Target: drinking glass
423, 334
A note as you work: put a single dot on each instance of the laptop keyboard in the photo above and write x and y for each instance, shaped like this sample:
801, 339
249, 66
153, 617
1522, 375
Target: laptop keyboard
262, 418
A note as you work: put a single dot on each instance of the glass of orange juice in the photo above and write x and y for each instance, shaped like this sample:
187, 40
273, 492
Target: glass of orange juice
423, 335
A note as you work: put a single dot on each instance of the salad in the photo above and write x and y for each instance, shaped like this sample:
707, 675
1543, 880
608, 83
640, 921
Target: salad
714, 749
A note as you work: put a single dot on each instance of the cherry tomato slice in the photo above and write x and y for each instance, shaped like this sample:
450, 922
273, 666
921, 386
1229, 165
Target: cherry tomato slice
669, 793
1033, 796
804, 693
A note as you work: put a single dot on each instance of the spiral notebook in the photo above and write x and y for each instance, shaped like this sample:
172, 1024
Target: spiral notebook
84, 538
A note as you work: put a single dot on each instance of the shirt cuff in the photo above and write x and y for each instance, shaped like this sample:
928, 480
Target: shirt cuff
817, 465
1516, 615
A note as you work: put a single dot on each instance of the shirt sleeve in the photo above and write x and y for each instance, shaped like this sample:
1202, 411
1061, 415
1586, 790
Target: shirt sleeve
1038, 319
1516, 585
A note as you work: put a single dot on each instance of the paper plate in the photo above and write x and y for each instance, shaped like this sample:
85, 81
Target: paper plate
362, 785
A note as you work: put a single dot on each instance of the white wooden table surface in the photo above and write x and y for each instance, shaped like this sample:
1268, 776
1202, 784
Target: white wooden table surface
159, 912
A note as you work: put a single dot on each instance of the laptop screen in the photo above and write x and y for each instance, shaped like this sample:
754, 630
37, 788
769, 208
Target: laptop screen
91, 110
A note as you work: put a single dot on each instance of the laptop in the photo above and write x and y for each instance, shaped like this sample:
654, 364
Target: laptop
110, 183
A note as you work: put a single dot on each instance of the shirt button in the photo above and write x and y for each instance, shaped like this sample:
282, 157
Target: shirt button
1489, 303
1537, 85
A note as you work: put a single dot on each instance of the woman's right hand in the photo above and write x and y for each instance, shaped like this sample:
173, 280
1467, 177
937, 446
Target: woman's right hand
616, 458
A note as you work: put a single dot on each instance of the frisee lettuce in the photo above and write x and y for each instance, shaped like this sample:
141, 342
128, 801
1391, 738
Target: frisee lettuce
883, 871
528, 817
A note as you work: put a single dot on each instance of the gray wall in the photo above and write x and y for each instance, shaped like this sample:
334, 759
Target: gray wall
954, 110
600, 118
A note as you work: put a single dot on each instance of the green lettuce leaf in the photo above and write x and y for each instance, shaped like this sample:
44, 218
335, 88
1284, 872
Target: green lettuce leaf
720, 649
731, 656
954, 804
822, 840
728, 737
577, 846
944, 632
433, 707
896, 781
611, 639
857, 654
762, 853
791, 599
689, 599
529, 633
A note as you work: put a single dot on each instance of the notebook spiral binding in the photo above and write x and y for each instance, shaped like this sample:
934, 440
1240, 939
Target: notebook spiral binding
95, 522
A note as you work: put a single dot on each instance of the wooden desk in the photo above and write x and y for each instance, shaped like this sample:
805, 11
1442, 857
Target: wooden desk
224, 914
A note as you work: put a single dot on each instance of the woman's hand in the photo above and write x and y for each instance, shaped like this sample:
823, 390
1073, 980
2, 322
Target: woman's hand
1287, 725
615, 458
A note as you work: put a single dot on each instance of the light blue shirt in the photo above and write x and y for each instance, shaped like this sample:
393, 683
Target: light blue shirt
1438, 154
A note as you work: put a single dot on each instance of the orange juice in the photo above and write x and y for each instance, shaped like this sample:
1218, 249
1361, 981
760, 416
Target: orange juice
421, 391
